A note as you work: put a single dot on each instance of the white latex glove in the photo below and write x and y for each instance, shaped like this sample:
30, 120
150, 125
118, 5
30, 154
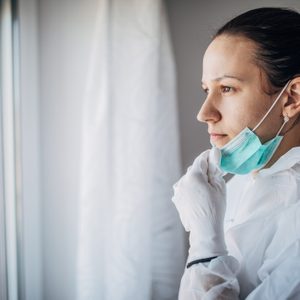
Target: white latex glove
200, 198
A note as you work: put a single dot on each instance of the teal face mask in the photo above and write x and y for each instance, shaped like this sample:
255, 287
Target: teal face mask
245, 152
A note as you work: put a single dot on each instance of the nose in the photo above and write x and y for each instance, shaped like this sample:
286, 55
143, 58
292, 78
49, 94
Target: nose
209, 112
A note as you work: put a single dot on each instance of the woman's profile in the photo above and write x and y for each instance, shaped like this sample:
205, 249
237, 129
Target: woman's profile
245, 235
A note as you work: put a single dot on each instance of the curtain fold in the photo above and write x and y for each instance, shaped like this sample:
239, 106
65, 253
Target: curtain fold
131, 242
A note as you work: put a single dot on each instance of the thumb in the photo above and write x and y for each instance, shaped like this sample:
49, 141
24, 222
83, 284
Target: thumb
214, 162
200, 164
215, 174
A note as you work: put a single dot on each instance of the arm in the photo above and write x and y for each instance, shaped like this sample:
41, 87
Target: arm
280, 278
200, 198
213, 280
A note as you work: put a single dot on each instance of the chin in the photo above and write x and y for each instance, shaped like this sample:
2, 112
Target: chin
219, 144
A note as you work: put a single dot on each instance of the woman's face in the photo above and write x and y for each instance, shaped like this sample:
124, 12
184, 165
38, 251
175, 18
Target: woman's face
235, 88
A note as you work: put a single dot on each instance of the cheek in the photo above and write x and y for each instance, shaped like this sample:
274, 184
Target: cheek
270, 126
235, 119
244, 112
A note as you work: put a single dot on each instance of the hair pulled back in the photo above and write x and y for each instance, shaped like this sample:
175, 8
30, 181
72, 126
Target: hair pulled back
276, 33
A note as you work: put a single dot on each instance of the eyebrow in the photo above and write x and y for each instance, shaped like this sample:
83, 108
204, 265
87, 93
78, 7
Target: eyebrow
226, 76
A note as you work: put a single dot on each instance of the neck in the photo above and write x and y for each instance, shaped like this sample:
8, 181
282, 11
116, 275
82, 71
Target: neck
290, 139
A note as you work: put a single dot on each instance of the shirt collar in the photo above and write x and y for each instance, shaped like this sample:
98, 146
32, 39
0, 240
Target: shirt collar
286, 161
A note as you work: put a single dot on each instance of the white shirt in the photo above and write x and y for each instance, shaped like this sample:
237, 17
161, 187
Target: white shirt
262, 233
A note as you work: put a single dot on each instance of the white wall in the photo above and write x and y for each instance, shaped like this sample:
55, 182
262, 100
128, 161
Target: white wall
65, 32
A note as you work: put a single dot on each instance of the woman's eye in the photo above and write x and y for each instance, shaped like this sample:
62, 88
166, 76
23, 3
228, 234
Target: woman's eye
226, 89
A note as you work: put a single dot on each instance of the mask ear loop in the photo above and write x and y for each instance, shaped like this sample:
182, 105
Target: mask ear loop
267, 113
285, 120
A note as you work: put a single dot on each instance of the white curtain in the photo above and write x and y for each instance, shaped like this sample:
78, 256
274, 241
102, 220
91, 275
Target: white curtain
131, 242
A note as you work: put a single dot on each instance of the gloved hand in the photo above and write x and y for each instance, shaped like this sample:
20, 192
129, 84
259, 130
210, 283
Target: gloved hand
200, 198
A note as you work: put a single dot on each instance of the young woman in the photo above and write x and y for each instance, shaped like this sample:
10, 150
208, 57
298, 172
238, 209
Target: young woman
245, 235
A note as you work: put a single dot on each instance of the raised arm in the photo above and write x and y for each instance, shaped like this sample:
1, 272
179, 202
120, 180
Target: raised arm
200, 198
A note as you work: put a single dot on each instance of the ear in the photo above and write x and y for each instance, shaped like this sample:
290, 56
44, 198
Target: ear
292, 105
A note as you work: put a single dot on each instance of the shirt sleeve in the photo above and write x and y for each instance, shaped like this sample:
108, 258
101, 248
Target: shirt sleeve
213, 280
279, 278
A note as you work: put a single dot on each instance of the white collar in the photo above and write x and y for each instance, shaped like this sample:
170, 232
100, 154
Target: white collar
286, 161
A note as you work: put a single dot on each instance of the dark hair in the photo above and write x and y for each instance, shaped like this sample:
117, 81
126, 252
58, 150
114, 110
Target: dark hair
276, 32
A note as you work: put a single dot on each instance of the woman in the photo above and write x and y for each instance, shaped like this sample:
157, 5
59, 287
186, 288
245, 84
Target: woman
245, 235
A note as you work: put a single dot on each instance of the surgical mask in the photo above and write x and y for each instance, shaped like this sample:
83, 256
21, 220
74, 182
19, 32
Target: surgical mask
245, 152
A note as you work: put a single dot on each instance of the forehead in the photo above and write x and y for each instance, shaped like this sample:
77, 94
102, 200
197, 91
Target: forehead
233, 55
